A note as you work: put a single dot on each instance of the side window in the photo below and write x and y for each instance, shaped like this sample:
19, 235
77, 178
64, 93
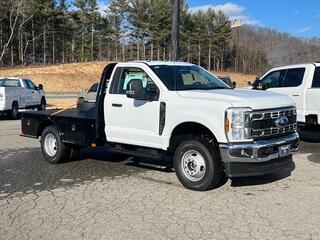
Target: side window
316, 78
31, 84
294, 77
26, 84
132, 73
273, 79
115, 81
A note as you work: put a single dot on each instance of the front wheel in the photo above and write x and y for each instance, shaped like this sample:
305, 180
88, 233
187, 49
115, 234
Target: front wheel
42, 105
53, 149
197, 165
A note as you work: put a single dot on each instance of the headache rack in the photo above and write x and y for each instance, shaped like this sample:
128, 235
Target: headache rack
264, 123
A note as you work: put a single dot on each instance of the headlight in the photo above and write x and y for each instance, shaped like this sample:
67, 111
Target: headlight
238, 124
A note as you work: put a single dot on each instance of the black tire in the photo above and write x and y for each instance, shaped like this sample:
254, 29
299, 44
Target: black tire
211, 164
14, 110
60, 152
42, 105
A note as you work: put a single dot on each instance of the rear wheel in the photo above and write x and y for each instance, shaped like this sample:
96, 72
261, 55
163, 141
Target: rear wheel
53, 149
197, 165
14, 110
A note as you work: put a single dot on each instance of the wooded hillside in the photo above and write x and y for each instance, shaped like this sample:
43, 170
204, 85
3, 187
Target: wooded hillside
61, 31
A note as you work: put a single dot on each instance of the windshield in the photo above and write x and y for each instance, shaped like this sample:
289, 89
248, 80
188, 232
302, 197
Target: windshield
187, 78
94, 88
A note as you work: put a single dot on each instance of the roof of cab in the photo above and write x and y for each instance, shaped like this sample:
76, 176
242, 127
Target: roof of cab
166, 63
317, 64
10, 78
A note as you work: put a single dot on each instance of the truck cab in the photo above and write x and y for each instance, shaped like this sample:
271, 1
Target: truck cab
301, 82
179, 110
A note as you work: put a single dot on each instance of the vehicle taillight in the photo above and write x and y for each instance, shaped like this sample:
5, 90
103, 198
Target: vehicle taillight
1, 95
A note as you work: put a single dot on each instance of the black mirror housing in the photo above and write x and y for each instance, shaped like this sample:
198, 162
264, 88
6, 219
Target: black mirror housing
40, 87
135, 90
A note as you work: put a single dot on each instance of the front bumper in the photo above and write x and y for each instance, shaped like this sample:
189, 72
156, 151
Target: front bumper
259, 157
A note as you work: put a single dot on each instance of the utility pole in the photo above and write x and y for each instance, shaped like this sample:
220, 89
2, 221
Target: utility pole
175, 29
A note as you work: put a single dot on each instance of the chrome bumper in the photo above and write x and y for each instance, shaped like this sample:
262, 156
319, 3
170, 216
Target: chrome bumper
259, 157
258, 151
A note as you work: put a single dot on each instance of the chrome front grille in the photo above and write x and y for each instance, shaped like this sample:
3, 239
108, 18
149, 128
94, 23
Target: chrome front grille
264, 122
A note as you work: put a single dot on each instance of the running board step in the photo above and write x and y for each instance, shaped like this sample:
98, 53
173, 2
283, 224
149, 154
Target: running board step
154, 154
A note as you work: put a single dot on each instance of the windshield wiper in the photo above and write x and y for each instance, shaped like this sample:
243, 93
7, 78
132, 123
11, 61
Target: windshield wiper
217, 87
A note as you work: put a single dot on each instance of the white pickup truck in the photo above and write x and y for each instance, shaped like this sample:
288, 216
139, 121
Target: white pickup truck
301, 82
151, 109
20, 93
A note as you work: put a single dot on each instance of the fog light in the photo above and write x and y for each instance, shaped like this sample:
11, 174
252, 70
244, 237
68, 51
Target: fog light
241, 153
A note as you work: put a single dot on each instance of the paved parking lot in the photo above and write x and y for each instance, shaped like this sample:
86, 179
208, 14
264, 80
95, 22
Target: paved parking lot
110, 196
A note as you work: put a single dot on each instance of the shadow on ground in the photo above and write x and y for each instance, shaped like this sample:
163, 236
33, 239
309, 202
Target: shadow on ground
23, 170
265, 179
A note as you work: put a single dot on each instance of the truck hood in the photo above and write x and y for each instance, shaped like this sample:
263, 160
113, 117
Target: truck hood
254, 99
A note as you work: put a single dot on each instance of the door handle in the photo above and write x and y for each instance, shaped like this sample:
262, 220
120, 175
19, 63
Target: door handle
296, 95
116, 105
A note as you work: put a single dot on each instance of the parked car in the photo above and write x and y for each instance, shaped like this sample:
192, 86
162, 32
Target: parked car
301, 82
227, 80
87, 98
90, 94
20, 93
161, 109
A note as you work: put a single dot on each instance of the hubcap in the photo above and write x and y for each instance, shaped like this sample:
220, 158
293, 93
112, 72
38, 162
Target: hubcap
50, 145
193, 165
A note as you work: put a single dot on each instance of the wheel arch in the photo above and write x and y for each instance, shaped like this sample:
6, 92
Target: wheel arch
43, 125
15, 101
189, 129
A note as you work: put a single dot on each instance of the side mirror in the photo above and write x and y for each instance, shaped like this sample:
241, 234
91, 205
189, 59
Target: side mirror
135, 90
249, 83
234, 84
40, 87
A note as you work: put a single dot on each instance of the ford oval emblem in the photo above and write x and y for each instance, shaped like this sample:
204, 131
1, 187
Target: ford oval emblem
281, 122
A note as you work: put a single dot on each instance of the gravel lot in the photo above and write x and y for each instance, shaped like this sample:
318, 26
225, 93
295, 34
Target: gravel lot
112, 197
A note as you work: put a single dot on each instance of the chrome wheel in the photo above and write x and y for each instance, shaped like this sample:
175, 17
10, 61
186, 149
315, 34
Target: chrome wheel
50, 145
193, 165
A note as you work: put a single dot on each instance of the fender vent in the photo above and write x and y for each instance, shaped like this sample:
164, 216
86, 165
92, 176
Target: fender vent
162, 117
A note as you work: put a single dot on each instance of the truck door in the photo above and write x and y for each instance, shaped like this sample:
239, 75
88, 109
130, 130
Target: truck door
313, 95
36, 97
293, 86
27, 95
129, 120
